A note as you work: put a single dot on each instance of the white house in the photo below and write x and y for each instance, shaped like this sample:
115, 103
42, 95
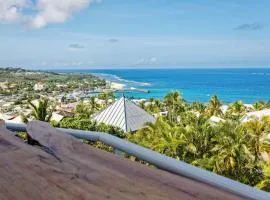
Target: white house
216, 119
255, 115
39, 86
224, 108
56, 117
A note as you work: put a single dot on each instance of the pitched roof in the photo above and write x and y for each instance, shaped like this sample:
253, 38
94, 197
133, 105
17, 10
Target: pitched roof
125, 115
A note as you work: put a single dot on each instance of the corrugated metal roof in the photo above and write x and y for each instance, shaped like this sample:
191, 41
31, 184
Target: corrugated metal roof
125, 115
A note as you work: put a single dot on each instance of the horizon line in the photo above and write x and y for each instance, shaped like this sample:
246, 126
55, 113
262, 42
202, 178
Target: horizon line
134, 68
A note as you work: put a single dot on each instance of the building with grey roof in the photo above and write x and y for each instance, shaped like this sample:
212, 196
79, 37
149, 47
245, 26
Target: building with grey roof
125, 115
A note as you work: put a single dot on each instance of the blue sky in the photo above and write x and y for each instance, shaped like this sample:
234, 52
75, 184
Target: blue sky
134, 33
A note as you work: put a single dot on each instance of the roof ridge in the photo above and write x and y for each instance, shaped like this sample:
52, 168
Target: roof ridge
125, 114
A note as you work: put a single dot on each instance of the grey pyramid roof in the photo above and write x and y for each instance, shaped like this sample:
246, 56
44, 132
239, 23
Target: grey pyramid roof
125, 115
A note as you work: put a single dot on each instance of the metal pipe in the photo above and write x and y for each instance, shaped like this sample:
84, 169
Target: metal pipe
18, 127
166, 163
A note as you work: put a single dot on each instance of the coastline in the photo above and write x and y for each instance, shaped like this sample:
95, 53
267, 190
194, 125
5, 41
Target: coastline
249, 85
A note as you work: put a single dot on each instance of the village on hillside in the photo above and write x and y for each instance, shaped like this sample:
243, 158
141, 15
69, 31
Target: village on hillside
19, 88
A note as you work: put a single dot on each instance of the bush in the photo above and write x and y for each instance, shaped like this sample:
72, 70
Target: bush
90, 125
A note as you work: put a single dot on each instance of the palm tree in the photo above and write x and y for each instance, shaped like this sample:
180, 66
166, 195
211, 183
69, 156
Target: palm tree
197, 106
213, 107
155, 106
198, 135
106, 96
93, 104
236, 110
83, 111
160, 137
41, 111
257, 129
142, 104
237, 107
175, 104
230, 155
259, 105
158, 105
267, 104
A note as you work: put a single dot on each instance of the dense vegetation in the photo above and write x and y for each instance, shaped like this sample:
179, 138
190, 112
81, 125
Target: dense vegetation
229, 148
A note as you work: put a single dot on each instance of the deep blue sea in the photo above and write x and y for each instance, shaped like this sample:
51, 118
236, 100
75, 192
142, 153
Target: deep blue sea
248, 85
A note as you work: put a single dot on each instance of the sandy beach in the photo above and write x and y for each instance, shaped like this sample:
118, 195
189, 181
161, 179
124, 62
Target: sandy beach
116, 86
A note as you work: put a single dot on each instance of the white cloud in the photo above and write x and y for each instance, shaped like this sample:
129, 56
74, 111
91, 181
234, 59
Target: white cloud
44, 11
113, 40
11, 10
147, 61
44, 63
68, 63
56, 11
75, 47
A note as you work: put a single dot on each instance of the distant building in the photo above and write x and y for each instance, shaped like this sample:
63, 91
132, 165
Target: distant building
39, 86
6, 117
125, 115
249, 107
224, 108
56, 117
215, 119
255, 115
3, 85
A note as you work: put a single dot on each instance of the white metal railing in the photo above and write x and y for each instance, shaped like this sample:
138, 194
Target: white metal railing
163, 162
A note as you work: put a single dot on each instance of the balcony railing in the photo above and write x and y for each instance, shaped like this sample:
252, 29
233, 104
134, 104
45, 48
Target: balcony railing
163, 162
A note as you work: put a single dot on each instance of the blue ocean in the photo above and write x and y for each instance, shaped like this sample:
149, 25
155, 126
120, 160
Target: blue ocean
248, 85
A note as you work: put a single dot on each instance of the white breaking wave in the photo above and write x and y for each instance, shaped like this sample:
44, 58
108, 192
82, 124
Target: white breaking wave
112, 77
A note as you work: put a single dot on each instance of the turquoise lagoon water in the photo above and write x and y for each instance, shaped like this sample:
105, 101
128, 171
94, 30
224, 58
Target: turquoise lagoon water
248, 85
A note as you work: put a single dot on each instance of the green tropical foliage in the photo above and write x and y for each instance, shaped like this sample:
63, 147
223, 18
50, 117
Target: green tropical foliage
259, 105
213, 107
265, 183
83, 111
257, 129
198, 106
106, 96
175, 105
86, 110
42, 111
94, 105
229, 148
236, 110
154, 106
90, 125
160, 137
